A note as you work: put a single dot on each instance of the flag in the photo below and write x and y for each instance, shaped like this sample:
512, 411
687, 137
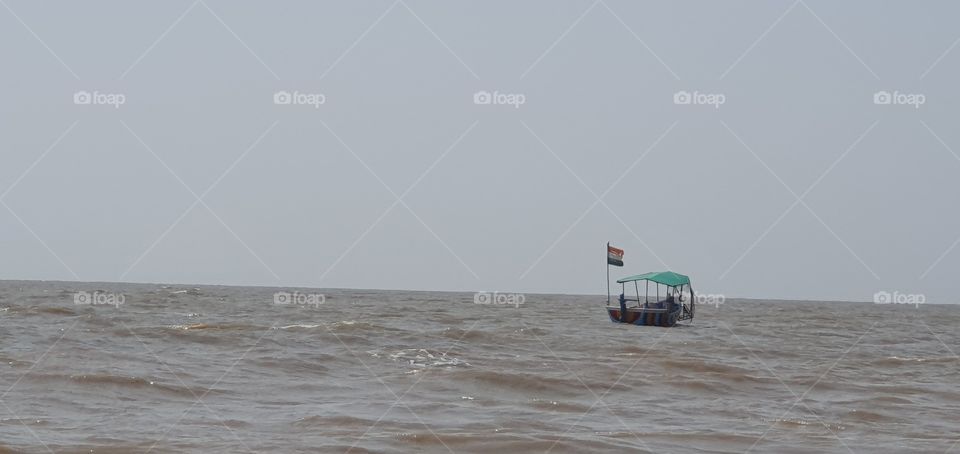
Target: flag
614, 256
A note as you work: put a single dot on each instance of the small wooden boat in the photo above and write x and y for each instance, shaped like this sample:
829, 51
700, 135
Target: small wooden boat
666, 312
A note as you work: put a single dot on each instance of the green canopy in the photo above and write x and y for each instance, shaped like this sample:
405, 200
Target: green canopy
661, 277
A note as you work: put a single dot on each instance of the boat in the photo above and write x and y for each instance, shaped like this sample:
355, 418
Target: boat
678, 304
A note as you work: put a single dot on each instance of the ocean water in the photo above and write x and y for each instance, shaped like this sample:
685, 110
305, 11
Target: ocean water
165, 368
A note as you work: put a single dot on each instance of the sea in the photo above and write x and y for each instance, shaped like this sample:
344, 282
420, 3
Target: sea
141, 368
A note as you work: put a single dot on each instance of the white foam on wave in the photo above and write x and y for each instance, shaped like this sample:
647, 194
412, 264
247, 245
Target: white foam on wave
423, 358
300, 325
922, 360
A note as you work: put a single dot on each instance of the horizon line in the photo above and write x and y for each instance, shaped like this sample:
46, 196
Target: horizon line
414, 290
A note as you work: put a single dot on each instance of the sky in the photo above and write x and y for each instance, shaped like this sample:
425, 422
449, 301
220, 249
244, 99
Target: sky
778, 149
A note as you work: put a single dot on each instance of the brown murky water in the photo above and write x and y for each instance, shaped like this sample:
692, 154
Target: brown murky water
224, 369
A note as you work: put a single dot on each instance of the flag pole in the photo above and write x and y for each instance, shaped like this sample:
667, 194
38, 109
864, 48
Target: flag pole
608, 272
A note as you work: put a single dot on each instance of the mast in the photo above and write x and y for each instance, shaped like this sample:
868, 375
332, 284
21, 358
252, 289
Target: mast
607, 259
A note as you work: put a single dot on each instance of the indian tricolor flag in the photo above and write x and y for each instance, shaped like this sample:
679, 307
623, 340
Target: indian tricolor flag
614, 256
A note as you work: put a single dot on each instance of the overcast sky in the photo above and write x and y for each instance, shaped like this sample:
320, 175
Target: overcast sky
777, 149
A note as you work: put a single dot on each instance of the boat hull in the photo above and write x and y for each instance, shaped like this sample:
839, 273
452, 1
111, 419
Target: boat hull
645, 317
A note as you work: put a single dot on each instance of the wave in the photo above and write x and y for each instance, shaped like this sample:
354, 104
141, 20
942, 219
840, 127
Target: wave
524, 383
720, 371
299, 325
313, 364
52, 310
533, 330
131, 382
365, 330
348, 326
420, 358
713, 387
788, 422
514, 442
460, 334
189, 292
237, 424
899, 361
553, 405
217, 327
869, 416
11, 361
193, 326
23, 422
327, 422
890, 400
